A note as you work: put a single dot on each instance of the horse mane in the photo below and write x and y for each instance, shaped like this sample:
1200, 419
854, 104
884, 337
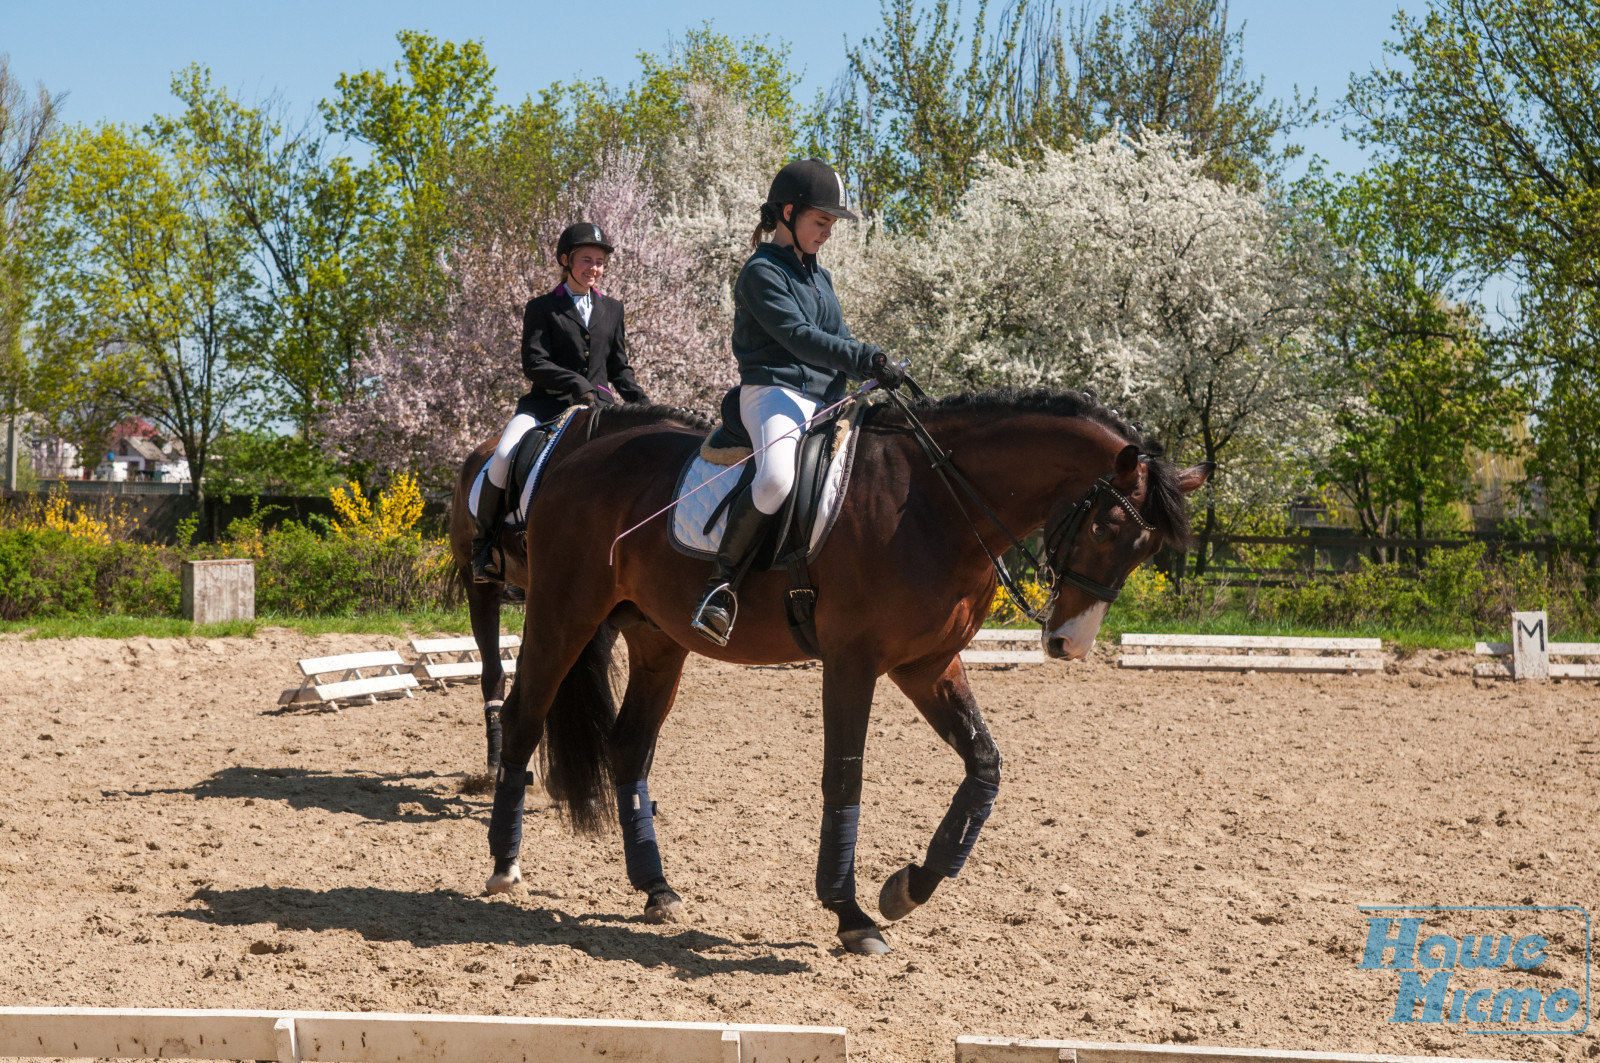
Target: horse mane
1163, 507
632, 414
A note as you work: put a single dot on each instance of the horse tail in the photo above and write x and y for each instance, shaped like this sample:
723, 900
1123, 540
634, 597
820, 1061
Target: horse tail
577, 736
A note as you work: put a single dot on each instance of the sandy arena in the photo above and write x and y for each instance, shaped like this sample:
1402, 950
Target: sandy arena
1173, 857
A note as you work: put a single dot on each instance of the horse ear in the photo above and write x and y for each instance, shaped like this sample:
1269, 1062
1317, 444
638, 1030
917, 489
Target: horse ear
1127, 462
1194, 476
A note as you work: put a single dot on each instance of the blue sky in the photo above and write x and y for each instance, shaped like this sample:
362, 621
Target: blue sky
116, 59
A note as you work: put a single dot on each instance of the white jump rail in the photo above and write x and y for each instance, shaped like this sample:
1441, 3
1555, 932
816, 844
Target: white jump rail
349, 1037
1011, 1050
351, 683
466, 663
1293, 654
1530, 651
1008, 657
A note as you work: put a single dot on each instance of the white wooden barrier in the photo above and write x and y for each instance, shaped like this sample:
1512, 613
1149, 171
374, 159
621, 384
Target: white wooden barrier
1010, 657
1530, 651
466, 663
351, 683
1294, 654
349, 1037
1010, 1050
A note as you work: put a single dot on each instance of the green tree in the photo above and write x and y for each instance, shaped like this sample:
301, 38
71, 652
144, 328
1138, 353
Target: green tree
27, 122
146, 285
1176, 65
1422, 384
1496, 105
437, 104
312, 222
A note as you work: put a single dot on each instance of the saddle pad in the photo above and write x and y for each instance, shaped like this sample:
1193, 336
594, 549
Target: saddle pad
518, 516
694, 506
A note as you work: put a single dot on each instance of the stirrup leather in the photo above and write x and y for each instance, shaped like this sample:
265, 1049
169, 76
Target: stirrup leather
699, 623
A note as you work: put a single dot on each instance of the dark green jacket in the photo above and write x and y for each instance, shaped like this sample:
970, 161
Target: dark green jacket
788, 329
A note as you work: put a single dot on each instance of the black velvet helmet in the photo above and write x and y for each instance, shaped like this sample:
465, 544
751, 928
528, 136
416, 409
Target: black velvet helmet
583, 234
810, 183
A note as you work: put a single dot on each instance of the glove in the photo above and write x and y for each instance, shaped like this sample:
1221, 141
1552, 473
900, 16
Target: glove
888, 375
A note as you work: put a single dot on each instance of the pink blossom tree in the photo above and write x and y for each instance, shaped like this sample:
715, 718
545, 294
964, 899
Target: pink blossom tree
432, 391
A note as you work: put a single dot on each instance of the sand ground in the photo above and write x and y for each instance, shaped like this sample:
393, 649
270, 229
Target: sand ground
1173, 856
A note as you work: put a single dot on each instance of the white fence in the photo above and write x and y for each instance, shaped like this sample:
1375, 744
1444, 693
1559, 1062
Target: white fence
1530, 651
1283, 653
1010, 1050
346, 1037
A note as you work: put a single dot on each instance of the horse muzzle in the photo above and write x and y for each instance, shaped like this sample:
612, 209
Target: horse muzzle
1073, 640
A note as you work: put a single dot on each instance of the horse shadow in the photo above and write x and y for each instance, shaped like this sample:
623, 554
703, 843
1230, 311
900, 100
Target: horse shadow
446, 917
385, 798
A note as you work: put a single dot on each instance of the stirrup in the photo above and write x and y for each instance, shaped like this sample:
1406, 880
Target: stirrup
493, 568
698, 621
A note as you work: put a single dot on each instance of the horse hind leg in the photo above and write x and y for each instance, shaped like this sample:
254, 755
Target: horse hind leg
847, 688
655, 665
560, 697
946, 701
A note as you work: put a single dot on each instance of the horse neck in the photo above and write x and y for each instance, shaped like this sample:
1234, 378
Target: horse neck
1023, 464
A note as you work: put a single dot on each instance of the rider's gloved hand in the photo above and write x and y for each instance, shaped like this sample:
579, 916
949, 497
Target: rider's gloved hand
888, 375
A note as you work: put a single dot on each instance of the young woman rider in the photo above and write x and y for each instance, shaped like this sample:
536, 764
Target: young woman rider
795, 357
574, 351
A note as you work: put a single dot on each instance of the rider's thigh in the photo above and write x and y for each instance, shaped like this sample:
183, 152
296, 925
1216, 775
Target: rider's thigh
500, 464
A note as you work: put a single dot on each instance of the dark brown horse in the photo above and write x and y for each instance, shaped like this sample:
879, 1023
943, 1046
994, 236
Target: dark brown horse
903, 584
485, 600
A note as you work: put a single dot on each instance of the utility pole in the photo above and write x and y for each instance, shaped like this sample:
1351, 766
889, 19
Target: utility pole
11, 453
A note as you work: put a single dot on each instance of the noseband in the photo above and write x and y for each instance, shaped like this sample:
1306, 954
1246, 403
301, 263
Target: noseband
1058, 541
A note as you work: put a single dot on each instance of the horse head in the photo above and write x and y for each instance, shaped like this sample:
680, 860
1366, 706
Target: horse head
1095, 541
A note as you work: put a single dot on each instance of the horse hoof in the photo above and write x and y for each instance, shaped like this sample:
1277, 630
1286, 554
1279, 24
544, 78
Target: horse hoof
867, 941
664, 906
894, 900
502, 882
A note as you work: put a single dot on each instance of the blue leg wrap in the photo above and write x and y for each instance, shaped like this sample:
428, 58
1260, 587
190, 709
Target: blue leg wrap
505, 822
958, 832
637, 814
836, 856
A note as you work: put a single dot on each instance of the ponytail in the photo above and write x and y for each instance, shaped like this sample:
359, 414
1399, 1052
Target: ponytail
767, 224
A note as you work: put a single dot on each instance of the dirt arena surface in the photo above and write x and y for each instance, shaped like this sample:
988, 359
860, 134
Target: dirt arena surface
1173, 857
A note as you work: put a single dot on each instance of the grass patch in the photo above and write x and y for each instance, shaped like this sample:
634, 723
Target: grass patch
423, 624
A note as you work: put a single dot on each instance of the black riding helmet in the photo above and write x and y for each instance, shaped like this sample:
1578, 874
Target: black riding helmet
582, 234
808, 183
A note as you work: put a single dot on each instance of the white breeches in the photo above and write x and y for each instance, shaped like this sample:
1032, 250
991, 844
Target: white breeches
773, 415
500, 464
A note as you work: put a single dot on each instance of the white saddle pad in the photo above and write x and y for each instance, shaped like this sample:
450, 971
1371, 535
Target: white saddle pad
519, 514
696, 502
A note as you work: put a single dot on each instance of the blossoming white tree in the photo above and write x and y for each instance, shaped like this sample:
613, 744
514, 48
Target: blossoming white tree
1118, 264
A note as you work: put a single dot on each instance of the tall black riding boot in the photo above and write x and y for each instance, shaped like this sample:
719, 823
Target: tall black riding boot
718, 607
486, 565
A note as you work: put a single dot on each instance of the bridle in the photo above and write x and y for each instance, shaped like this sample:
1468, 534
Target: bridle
1058, 540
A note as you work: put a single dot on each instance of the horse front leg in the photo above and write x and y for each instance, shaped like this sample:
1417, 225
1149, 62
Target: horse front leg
655, 665
941, 694
483, 604
847, 687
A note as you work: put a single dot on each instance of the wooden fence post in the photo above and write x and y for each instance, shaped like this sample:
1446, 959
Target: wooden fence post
217, 591
1530, 646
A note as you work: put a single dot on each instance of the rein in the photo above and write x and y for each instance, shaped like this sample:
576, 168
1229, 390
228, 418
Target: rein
1058, 543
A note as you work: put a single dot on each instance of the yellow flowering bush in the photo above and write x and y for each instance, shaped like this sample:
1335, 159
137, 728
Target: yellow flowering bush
398, 508
80, 525
1003, 611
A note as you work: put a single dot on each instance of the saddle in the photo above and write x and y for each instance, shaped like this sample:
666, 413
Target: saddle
528, 462
826, 453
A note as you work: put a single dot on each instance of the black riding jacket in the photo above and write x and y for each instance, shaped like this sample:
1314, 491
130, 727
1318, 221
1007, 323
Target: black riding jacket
565, 360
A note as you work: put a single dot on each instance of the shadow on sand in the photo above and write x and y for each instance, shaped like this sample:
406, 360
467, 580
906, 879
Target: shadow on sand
445, 917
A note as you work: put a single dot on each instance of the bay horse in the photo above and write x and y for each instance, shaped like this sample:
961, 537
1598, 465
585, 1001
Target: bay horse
903, 583
485, 600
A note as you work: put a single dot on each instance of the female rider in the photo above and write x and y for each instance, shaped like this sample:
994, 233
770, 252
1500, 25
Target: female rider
795, 357
573, 346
